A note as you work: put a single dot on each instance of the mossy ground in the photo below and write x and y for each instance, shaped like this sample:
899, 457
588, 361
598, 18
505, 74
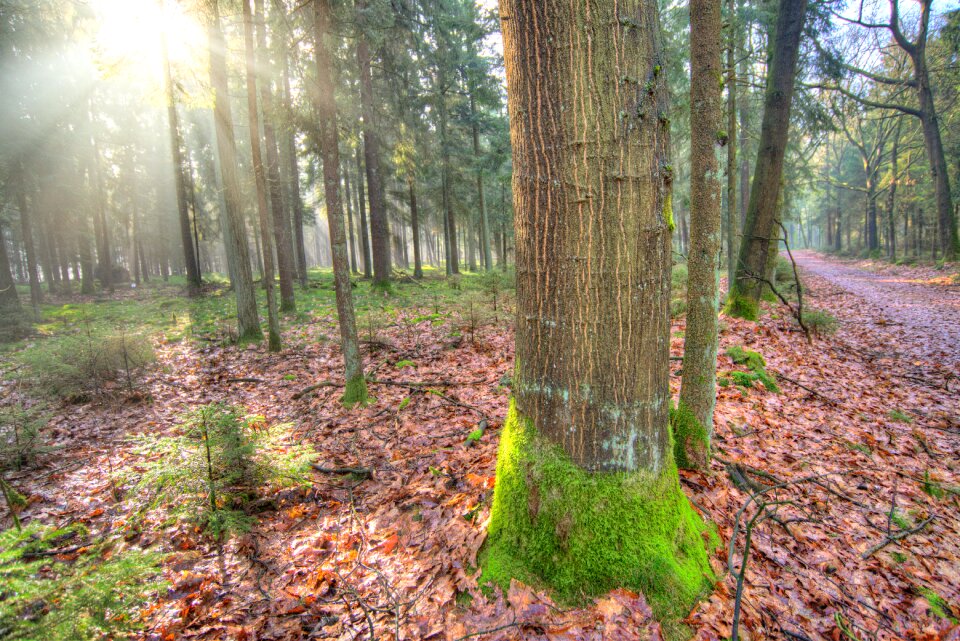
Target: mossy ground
757, 365
582, 534
691, 441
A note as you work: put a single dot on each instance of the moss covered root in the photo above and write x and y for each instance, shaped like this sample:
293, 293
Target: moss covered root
582, 534
691, 441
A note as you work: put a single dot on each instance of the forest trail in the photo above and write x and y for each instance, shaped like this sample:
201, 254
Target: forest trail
917, 308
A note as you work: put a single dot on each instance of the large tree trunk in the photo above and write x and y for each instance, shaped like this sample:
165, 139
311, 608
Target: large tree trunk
186, 237
281, 222
379, 226
693, 419
587, 495
744, 300
236, 231
260, 180
356, 387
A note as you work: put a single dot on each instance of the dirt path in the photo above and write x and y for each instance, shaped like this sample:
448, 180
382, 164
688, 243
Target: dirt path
914, 315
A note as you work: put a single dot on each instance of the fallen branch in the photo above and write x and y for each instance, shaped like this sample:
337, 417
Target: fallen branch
313, 388
362, 472
244, 379
804, 387
897, 536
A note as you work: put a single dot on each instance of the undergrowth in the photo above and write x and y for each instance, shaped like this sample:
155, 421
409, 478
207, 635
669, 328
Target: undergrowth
96, 595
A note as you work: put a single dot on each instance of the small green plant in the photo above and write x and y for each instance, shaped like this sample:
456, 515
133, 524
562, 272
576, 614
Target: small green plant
820, 322
931, 487
404, 363
860, 447
218, 463
74, 366
899, 417
938, 605
20, 434
492, 283
97, 596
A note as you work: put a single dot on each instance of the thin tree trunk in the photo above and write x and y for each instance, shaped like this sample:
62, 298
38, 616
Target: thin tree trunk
263, 210
186, 238
415, 224
10, 307
352, 238
379, 226
364, 229
693, 420
293, 169
236, 231
26, 231
733, 227
356, 387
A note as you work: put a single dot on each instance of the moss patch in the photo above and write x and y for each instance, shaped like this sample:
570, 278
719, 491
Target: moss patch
691, 442
582, 534
740, 306
757, 365
355, 392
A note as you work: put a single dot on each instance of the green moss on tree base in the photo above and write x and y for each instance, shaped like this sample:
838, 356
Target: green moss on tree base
691, 441
355, 392
740, 306
582, 534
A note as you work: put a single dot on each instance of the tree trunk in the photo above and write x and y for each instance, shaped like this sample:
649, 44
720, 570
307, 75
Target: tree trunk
733, 228
379, 226
693, 419
186, 238
744, 298
10, 308
348, 197
293, 169
356, 387
260, 180
415, 225
26, 231
587, 495
364, 229
236, 231
282, 237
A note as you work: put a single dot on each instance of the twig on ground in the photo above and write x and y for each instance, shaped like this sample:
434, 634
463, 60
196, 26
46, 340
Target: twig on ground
897, 536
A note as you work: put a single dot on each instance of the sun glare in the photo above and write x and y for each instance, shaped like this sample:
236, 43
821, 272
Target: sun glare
128, 36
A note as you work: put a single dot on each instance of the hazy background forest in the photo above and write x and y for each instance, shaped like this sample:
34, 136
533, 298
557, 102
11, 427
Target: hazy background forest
262, 286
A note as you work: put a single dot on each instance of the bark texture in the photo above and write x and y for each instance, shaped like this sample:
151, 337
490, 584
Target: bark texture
587, 495
758, 228
356, 387
236, 232
263, 209
698, 387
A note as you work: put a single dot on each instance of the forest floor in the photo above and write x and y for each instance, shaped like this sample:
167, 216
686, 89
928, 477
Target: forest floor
856, 457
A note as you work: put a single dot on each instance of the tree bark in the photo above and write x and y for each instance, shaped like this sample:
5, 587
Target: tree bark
282, 236
584, 461
186, 238
693, 418
732, 219
26, 231
236, 231
348, 197
260, 180
10, 307
379, 226
744, 298
364, 228
415, 225
293, 168
356, 387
